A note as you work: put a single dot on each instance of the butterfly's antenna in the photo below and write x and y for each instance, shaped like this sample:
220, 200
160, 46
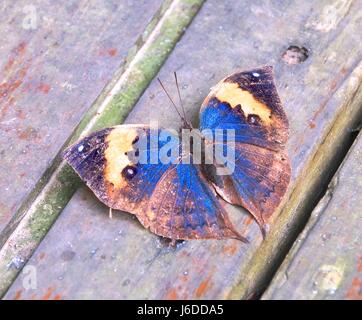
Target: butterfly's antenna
173, 103
179, 95
181, 103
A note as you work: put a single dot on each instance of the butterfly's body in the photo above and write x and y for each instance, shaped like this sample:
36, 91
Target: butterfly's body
182, 198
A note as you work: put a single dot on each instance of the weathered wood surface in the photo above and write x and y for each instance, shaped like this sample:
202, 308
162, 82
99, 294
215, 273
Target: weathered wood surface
326, 260
55, 59
86, 255
36, 215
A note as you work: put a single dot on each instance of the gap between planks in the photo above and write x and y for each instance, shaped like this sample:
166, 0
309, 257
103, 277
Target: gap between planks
310, 187
323, 252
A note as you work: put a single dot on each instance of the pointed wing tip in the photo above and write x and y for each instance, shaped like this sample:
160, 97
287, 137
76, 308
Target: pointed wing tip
237, 236
66, 153
242, 239
267, 70
69, 154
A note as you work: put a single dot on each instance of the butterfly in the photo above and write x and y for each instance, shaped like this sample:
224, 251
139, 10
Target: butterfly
181, 199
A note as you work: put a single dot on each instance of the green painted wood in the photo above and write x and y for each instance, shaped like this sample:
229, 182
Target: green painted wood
326, 260
55, 59
87, 255
57, 185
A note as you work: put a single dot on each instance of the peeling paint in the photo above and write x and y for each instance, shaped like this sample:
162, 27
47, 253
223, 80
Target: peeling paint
203, 287
230, 249
48, 293
355, 291
18, 295
172, 294
60, 182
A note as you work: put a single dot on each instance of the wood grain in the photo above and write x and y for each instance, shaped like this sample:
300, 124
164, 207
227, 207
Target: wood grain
326, 260
86, 255
51, 71
57, 185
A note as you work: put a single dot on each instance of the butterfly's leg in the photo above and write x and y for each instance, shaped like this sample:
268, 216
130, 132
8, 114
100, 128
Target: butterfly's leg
110, 213
264, 227
173, 243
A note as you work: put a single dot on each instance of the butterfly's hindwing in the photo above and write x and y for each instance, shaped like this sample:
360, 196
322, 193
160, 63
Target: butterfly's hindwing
185, 206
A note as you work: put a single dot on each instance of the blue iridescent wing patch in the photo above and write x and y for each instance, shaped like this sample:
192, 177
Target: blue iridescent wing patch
248, 103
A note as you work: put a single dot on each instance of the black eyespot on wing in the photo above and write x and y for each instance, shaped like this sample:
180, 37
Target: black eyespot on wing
254, 119
135, 140
129, 172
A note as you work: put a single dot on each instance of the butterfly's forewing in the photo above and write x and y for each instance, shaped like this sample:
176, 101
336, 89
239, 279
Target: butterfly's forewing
103, 160
171, 198
248, 103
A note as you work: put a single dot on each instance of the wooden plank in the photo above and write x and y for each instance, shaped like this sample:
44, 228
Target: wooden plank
86, 255
58, 184
55, 59
326, 260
